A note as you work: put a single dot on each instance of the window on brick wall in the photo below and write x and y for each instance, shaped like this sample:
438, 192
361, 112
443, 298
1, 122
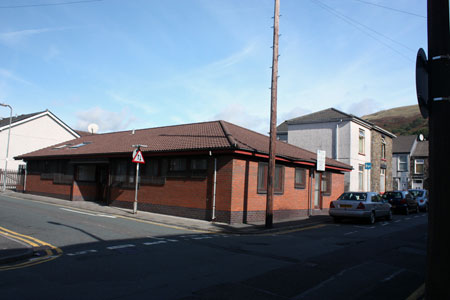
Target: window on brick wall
262, 178
300, 178
383, 148
326, 183
362, 141
86, 173
418, 166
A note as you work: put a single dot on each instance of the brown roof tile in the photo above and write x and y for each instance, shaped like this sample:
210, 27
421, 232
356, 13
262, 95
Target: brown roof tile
213, 135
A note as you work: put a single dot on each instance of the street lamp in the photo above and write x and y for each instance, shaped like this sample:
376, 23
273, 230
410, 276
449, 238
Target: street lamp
7, 145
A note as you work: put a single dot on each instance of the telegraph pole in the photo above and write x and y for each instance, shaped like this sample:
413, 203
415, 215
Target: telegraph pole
273, 119
438, 251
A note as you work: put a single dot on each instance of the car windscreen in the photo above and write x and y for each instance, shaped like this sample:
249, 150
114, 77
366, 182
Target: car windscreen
416, 193
353, 196
392, 195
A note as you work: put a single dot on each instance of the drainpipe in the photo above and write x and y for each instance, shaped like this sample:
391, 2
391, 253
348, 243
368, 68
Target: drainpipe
25, 179
337, 140
213, 217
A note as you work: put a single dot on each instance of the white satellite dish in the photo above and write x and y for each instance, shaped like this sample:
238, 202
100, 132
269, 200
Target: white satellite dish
93, 128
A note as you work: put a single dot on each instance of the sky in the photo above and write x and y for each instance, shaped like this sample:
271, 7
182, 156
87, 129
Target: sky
130, 64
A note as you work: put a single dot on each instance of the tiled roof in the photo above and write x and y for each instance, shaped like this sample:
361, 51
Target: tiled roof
326, 115
421, 149
403, 144
215, 135
5, 120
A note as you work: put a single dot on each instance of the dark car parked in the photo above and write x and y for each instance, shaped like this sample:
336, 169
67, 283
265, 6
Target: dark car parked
402, 201
421, 197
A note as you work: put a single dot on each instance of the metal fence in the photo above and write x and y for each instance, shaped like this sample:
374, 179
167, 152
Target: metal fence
12, 177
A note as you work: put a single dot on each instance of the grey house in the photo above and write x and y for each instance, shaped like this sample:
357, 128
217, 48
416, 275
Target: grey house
410, 162
349, 139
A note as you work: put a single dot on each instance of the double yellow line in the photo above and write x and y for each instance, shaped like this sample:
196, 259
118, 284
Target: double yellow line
51, 252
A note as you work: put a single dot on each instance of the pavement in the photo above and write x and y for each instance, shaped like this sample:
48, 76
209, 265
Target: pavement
12, 249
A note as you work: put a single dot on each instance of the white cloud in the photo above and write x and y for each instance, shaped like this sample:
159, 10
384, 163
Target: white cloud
140, 104
237, 114
11, 76
106, 120
14, 37
362, 108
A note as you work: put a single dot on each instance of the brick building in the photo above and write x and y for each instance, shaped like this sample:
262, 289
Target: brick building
203, 170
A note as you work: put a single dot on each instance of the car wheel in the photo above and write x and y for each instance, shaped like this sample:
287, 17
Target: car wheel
372, 218
417, 209
389, 216
407, 210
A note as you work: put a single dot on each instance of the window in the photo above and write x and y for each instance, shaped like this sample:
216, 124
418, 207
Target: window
382, 180
262, 178
80, 145
326, 183
362, 141
418, 166
300, 178
403, 163
86, 173
199, 164
361, 177
383, 148
177, 164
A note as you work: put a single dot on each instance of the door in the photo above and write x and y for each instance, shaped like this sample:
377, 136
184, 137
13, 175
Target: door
317, 193
102, 183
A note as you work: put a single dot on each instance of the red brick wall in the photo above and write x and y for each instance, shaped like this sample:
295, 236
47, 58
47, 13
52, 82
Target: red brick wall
84, 191
47, 188
337, 183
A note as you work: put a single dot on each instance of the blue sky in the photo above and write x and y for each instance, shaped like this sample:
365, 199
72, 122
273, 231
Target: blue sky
127, 64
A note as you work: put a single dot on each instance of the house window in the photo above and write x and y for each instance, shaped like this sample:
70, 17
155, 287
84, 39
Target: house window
262, 178
383, 148
403, 163
86, 173
326, 183
300, 178
361, 177
177, 164
362, 141
199, 164
382, 180
418, 166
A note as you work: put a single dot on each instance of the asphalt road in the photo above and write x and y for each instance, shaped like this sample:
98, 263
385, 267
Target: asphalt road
106, 257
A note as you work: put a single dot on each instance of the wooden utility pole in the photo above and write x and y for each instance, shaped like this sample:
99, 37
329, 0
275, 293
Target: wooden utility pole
273, 120
438, 251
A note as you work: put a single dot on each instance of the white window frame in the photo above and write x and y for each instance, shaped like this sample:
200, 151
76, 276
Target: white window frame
400, 169
361, 177
419, 162
362, 142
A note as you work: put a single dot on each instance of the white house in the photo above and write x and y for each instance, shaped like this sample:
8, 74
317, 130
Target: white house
31, 132
348, 139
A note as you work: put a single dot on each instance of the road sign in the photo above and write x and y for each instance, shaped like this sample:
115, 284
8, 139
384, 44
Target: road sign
138, 158
321, 160
368, 166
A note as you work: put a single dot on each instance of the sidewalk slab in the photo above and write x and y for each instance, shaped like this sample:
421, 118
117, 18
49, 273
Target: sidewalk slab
183, 223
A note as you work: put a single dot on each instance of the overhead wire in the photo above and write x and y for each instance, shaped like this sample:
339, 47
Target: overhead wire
363, 28
51, 4
391, 8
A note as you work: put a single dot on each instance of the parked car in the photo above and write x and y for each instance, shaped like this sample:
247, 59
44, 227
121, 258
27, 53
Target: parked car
402, 201
363, 205
421, 197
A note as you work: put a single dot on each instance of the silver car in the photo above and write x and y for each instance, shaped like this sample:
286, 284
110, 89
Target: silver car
363, 205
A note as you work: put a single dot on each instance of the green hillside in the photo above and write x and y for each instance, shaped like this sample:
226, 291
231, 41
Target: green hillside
405, 120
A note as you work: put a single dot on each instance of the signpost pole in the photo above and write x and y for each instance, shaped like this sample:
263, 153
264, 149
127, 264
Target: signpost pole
136, 191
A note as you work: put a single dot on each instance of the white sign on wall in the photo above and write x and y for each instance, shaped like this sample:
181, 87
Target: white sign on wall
320, 160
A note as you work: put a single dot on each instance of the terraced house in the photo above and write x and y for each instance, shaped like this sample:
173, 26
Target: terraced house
348, 139
211, 170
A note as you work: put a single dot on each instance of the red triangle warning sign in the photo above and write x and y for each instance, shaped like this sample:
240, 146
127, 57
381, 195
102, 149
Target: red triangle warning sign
139, 158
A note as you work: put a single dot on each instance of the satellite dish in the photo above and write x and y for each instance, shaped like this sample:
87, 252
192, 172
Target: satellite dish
93, 128
421, 138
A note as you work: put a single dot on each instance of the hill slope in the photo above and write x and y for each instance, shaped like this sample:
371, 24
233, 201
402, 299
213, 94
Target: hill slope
405, 120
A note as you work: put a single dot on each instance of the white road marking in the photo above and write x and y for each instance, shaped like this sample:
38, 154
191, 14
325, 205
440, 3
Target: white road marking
385, 223
351, 232
364, 227
202, 238
392, 275
407, 218
154, 243
86, 213
81, 252
416, 217
397, 221
120, 246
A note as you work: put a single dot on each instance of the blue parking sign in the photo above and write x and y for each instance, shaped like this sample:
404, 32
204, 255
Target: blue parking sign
368, 166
